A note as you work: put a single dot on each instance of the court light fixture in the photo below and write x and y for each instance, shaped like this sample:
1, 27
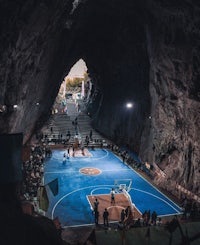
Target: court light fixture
129, 105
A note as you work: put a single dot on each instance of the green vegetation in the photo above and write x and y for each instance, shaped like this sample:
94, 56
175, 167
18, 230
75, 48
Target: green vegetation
73, 82
76, 81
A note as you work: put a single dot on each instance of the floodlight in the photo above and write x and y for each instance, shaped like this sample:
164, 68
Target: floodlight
129, 105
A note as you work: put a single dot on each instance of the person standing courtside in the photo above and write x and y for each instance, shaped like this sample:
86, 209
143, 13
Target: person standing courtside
105, 217
96, 216
96, 204
123, 215
112, 193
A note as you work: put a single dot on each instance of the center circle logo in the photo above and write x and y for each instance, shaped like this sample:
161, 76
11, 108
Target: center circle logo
90, 171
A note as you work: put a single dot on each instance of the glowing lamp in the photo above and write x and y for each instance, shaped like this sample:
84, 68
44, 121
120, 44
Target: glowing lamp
129, 105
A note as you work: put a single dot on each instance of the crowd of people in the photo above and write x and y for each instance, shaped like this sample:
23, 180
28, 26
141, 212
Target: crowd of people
132, 160
33, 170
191, 209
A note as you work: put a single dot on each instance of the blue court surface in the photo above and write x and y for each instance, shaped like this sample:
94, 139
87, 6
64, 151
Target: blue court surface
71, 205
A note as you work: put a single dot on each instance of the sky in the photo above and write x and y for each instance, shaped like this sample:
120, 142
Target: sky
78, 69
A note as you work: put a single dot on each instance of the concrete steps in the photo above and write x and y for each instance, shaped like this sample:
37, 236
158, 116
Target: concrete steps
55, 132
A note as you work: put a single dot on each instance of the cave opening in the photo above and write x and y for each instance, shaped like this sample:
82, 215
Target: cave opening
74, 86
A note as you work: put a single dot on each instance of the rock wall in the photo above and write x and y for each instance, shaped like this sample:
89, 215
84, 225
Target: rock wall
173, 46
34, 50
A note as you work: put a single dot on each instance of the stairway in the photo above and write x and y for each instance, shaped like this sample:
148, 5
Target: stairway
77, 122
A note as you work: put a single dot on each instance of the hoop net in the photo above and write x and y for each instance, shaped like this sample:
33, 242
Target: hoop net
123, 184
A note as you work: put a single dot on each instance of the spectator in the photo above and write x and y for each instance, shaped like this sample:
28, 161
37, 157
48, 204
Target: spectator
159, 222
112, 193
96, 204
90, 134
123, 215
96, 217
153, 218
105, 217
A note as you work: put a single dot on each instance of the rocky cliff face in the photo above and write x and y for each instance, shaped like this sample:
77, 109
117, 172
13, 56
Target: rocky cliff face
173, 46
145, 52
34, 50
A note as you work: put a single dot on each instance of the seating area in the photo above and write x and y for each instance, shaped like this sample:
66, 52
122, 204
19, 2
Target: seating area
33, 170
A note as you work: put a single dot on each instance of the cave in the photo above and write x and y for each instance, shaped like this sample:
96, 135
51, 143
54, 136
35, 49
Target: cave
146, 52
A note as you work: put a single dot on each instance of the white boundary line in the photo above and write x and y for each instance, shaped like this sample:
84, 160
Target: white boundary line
91, 193
150, 194
115, 206
88, 187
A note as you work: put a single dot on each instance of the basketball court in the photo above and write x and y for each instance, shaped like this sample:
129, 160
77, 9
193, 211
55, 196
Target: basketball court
84, 177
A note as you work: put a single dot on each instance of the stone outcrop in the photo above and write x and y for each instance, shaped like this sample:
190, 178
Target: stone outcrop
173, 48
146, 52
